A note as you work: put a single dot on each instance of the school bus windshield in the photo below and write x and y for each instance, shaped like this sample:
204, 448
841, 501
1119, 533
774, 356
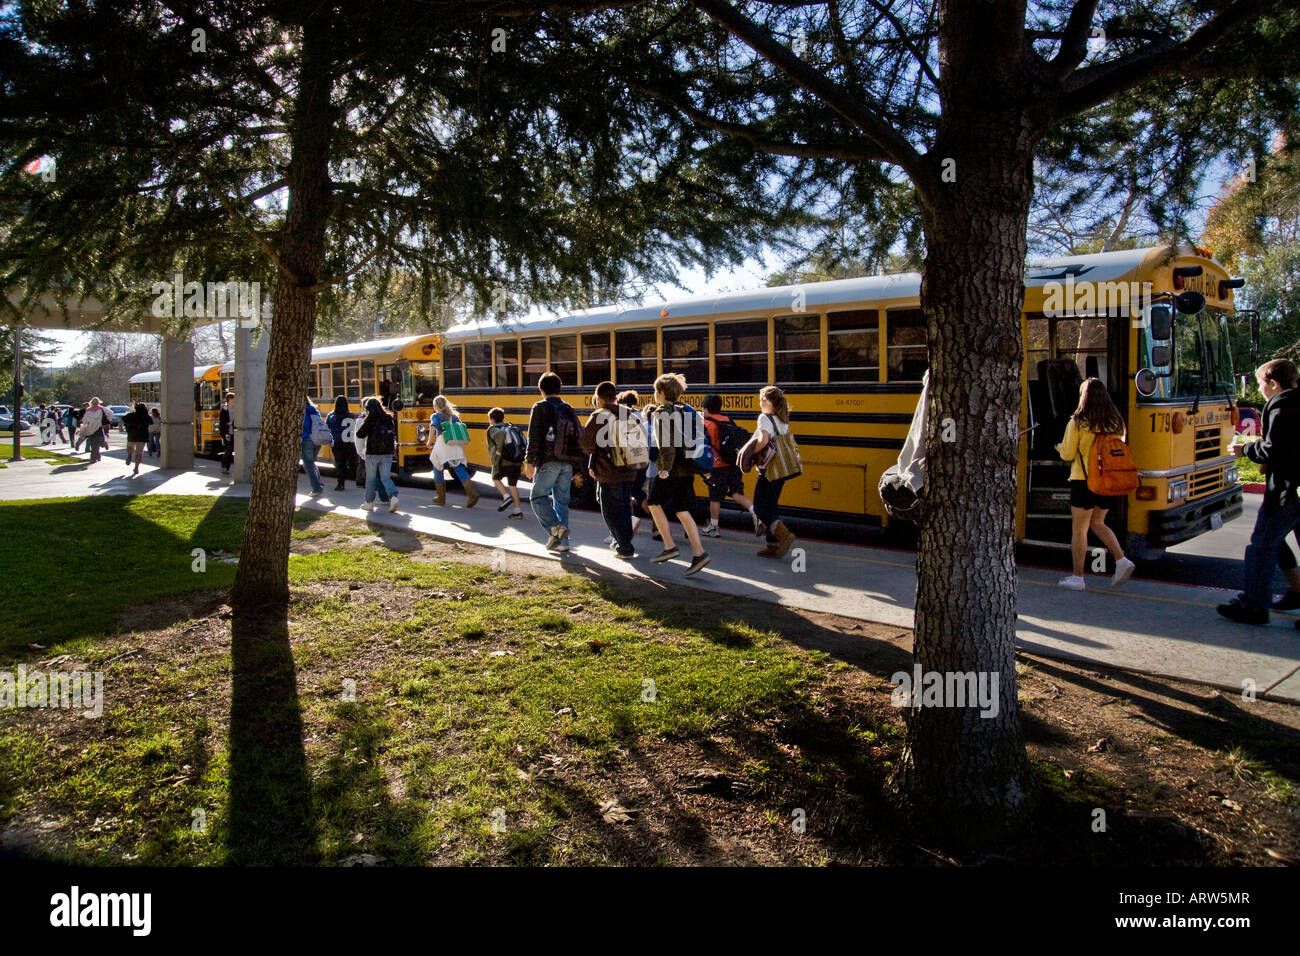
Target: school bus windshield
1202, 358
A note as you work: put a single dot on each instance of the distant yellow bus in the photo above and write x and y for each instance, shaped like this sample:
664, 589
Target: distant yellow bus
146, 387
851, 353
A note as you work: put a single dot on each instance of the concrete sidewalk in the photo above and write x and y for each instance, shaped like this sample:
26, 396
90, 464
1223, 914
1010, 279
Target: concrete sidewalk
1146, 626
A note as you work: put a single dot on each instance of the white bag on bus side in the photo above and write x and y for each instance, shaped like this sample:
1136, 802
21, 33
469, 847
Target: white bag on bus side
901, 485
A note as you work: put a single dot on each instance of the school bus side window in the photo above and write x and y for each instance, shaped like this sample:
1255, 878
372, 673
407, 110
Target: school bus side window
798, 348
740, 352
908, 358
340, 377
595, 358
534, 361
353, 380
853, 346
453, 376
369, 386
635, 357
507, 363
564, 358
478, 365
686, 352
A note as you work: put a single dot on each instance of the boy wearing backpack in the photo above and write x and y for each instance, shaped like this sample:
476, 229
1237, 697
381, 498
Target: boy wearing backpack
680, 439
727, 438
507, 447
554, 449
615, 439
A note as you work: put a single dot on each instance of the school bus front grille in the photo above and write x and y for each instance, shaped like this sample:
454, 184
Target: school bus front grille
1207, 443
1202, 483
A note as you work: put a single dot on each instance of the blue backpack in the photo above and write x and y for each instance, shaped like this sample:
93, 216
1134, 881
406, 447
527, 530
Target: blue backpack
695, 444
515, 448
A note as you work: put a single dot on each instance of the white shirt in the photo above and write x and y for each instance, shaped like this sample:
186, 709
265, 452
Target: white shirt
767, 422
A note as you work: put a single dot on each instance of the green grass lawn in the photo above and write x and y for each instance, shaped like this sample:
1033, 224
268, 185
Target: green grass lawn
446, 705
32, 449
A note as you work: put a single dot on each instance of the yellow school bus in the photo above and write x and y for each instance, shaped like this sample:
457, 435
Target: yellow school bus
146, 387
850, 354
403, 373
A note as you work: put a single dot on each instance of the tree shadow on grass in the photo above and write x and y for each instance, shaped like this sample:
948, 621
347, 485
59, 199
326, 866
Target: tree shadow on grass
271, 816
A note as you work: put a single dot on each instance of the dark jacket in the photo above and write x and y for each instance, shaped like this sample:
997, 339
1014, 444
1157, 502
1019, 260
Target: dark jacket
336, 425
137, 426
225, 427
540, 419
379, 441
668, 422
1278, 451
607, 473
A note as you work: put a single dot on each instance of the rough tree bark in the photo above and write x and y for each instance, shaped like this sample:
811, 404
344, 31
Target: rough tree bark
262, 580
959, 766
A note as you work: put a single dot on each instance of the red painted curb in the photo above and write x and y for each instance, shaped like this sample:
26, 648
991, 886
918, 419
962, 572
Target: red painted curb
1253, 489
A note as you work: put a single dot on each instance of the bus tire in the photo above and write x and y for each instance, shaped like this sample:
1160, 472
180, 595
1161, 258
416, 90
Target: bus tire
1137, 548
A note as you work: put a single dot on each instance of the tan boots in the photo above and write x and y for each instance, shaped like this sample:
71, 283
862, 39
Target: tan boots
471, 496
440, 496
784, 541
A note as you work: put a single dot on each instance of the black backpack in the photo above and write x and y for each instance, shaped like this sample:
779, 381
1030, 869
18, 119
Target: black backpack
731, 438
384, 437
515, 448
568, 433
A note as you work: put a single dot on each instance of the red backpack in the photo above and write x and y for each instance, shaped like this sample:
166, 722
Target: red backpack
1113, 470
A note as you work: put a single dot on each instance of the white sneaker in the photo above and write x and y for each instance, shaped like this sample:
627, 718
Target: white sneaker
367, 506
710, 530
1073, 582
392, 504
1123, 571
609, 540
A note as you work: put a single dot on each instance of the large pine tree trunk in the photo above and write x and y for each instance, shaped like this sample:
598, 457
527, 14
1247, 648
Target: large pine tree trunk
262, 580
966, 772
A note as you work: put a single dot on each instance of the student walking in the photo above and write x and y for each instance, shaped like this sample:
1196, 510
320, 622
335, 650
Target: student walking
774, 452
1095, 416
155, 433
639, 492
137, 435
615, 439
315, 433
725, 481
1278, 452
92, 428
673, 491
226, 432
507, 447
70, 423
448, 439
379, 433
342, 425
554, 448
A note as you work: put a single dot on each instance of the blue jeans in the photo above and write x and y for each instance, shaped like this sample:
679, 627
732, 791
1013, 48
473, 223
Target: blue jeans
459, 470
1272, 525
309, 464
616, 508
378, 478
552, 480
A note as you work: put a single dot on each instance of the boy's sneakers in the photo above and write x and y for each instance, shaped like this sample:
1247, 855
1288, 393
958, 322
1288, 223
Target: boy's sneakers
1241, 611
698, 562
556, 542
625, 557
1073, 583
392, 504
504, 505
515, 514
367, 506
710, 530
1123, 571
666, 555
609, 541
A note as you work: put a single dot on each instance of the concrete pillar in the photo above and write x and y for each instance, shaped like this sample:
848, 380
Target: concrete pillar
251, 348
177, 389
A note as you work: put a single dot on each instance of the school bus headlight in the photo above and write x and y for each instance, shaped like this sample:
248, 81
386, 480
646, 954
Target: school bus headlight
1177, 490
1146, 493
1230, 475
422, 432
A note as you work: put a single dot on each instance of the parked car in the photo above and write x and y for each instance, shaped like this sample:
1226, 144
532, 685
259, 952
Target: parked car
115, 413
24, 428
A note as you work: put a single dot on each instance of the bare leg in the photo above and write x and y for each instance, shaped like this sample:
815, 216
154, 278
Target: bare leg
662, 525
1079, 518
692, 532
1104, 534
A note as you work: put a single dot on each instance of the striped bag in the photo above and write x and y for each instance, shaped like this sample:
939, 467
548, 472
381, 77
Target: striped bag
785, 461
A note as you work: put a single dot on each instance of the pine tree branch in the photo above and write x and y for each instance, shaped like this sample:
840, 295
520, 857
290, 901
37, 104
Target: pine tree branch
846, 151
878, 130
1074, 42
1096, 84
